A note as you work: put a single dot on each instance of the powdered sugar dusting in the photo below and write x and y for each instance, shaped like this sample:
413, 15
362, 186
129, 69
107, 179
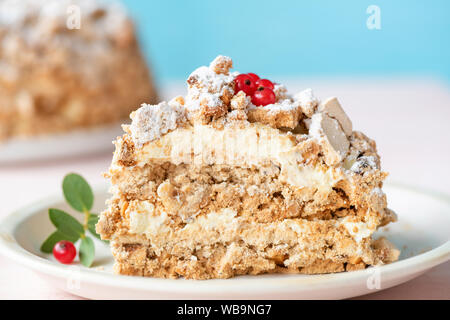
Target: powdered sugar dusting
307, 101
207, 87
364, 163
283, 105
150, 122
306, 97
315, 126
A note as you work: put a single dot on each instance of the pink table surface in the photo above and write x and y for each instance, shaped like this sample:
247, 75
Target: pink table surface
409, 119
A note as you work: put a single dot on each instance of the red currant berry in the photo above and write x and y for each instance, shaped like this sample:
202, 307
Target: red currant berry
64, 251
254, 76
263, 96
245, 83
265, 83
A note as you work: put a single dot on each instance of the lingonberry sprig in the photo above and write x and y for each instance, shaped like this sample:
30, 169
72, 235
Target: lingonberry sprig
260, 90
69, 230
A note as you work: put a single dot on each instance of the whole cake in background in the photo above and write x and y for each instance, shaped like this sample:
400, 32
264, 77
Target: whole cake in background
240, 177
68, 64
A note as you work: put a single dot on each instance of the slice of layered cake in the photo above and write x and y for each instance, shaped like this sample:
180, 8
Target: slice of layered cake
239, 177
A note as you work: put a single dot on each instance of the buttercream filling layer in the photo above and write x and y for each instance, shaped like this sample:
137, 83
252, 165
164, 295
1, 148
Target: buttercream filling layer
252, 145
308, 237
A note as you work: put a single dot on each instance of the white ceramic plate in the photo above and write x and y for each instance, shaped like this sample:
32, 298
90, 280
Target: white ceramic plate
63, 145
422, 233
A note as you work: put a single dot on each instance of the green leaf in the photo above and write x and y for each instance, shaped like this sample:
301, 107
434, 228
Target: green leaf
77, 192
49, 243
87, 251
65, 223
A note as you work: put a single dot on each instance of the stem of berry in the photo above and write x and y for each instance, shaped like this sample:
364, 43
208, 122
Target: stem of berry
86, 219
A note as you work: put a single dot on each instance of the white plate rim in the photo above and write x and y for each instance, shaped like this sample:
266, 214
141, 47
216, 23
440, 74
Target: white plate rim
11, 249
60, 145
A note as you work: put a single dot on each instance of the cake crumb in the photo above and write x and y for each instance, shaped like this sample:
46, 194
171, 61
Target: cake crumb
308, 101
150, 122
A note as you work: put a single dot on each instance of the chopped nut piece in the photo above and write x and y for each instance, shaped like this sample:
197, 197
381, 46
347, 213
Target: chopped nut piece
237, 115
334, 143
363, 163
125, 154
281, 92
221, 65
386, 249
354, 260
179, 99
240, 101
333, 108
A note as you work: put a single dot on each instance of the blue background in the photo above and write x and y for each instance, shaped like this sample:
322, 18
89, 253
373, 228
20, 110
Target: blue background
295, 38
